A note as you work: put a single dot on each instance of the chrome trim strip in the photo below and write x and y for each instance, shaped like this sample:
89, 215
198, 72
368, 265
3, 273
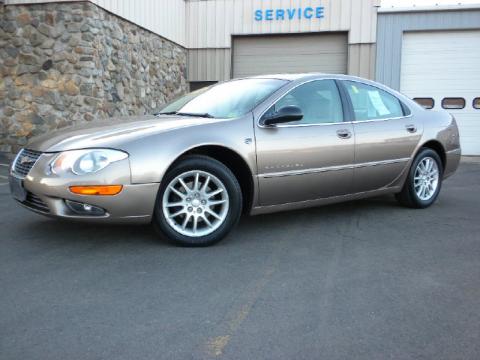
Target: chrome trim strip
377, 120
331, 168
301, 125
14, 162
336, 123
454, 151
382, 162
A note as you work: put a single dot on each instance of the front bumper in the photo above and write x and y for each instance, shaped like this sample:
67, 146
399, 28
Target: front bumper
48, 194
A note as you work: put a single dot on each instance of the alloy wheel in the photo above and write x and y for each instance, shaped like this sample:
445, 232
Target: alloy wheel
426, 178
195, 203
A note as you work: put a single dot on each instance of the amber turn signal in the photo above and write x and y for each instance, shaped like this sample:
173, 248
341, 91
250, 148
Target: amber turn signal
96, 189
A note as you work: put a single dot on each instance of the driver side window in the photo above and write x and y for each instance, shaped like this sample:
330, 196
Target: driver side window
319, 101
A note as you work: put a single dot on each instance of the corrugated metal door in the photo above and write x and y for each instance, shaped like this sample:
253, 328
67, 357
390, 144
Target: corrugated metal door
444, 65
256, 55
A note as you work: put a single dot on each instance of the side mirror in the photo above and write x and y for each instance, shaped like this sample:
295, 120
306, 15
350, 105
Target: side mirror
283, 115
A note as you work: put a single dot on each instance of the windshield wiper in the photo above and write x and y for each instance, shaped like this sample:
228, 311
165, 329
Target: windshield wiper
204, 115
166, 113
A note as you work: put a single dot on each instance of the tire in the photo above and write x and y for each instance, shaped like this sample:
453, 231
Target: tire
200, 219
411, 194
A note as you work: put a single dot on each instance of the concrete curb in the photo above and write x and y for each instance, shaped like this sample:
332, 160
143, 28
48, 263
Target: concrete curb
470, 159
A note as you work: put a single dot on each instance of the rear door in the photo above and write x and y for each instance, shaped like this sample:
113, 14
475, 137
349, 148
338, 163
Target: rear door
386, 135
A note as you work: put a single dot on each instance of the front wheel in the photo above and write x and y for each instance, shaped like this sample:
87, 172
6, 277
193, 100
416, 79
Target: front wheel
198, 203
424, 180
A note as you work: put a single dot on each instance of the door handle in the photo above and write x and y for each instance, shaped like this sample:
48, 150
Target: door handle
411, 128
344, 134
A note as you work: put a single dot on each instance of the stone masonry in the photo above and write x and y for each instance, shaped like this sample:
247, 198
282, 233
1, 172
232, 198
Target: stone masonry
68, 63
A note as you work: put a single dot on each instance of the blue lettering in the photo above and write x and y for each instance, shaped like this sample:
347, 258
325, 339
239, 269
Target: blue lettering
319, 12
291, 13
280, 14
269, 14
308, 13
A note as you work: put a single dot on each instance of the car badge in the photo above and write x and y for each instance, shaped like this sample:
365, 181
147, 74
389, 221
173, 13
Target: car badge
24, 160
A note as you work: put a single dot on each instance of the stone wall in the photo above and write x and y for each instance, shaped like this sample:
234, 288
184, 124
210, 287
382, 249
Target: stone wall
68, 63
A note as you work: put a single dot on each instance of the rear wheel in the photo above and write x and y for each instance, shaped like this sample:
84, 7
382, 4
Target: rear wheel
199, 202
424, 180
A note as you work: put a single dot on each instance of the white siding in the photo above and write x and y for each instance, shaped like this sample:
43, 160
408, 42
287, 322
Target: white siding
212, 22
163, 17
445, 64
208, 64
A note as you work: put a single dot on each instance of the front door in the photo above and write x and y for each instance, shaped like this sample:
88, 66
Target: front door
386, 135
307, 159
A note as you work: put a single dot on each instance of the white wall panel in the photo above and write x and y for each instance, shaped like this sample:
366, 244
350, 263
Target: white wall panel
212, 22
208, 64
439, 64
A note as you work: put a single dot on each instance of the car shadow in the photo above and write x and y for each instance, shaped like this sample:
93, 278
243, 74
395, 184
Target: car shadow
59, 230
251, 228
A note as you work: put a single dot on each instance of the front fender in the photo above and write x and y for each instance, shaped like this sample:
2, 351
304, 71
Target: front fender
152, 155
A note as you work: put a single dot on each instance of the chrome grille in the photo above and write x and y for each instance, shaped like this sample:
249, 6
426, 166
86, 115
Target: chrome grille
25, 161
35, 203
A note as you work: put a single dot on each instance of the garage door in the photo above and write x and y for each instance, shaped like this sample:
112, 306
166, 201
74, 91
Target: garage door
444, 66
257, 55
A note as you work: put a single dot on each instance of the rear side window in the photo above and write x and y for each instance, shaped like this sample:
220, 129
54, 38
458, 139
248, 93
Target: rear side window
371, 103
453, 103
476, 103
427, 103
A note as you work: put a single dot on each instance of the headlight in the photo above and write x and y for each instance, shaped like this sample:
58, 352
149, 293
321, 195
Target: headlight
81, 162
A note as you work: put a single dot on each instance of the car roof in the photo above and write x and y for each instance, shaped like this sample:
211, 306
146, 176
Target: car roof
283, 76
299, 76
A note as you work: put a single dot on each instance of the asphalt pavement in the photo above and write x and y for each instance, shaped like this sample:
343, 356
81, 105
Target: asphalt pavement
361, 280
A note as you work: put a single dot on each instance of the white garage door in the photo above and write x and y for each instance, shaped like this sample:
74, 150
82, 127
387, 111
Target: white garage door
445, 66
257, 55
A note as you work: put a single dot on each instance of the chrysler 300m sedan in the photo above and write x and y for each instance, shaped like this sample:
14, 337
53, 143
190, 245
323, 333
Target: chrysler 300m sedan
253, 145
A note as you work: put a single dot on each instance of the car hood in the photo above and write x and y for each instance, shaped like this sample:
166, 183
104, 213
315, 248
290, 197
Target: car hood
111, 133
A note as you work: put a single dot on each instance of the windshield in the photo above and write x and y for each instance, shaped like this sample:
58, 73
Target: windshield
227, 100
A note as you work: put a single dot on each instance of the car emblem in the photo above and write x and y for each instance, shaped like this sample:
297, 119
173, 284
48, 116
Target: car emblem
24, 160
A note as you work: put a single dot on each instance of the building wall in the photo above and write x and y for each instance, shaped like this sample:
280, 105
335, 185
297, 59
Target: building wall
361, 60
68, 63
211, 24
163, 17
392, 25
209, 64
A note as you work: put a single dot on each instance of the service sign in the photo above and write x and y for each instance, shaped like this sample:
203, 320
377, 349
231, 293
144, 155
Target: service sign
289, 14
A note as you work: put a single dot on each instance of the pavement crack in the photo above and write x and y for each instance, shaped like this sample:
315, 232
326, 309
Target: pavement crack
216, 345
